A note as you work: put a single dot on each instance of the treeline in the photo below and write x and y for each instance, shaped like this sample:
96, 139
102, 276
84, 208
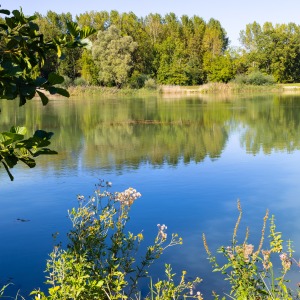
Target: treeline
137, 52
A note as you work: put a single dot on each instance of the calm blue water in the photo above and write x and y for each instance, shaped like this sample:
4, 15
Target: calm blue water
249, 151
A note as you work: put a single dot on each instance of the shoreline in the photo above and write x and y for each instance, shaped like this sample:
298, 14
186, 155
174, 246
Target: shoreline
167, 91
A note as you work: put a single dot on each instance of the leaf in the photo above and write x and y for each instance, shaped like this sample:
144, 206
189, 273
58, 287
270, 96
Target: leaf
54, 78
19, 130
43, 134
10, 23
11, 160
5, 12
62, 92
39, 81
8, 172
43, 97
73, 28
86, 32
44, 151
100, 283
3, 26
58, 51
22, 100
7, 138
30, 162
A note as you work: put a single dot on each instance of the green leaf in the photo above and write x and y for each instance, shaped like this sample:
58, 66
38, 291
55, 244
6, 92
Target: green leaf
62, 92
3, 26
7, 170
86, 32
44, 151
5, 12
18, 130
43, 134
100, 283
7, 138
39, 81
43, 97
54, 78
30, 162
11, 24
11, 160
73, 28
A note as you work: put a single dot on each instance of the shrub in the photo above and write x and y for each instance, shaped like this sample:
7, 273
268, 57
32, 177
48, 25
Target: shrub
137, 80
150, 84
100, 260
250, 271
79, 81
255, 78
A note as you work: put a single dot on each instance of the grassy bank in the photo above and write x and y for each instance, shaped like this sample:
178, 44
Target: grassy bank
170, 90
221, 88
110, 91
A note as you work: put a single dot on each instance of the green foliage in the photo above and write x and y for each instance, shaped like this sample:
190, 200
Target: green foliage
137, 80
250, 272
273, 49
255, 78
89, 70
150, 84
80, 82
23, 50
221, 69
112, 54
167, 289
100, 260
13, 147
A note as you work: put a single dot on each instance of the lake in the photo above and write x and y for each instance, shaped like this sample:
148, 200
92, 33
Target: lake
190, 158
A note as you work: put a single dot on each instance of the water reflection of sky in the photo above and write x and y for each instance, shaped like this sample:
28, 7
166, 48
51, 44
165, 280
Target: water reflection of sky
190, 198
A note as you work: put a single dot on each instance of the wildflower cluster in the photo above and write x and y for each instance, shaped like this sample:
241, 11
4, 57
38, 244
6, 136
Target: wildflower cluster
248, 280
161, 231
128, 196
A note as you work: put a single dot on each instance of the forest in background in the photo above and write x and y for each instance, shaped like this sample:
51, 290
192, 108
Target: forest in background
128, 51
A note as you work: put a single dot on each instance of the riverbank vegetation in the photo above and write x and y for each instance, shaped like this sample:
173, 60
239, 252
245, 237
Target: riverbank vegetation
132, 52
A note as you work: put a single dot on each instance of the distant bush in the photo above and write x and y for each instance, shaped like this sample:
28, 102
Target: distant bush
150, 84
255, 78
79, 81
137, 80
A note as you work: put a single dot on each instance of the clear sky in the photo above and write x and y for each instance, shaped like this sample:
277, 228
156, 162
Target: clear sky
233, 14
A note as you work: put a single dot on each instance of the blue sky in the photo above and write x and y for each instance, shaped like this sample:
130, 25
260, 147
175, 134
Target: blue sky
233, 14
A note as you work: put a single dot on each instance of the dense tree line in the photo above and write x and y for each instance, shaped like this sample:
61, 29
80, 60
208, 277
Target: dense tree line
128, 51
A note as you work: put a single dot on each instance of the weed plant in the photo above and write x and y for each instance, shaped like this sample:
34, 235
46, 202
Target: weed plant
100, 260
250, 271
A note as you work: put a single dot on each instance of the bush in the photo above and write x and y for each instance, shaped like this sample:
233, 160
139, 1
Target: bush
100, 260
150, 84
79, 81
250, 271
137, 80
255, 78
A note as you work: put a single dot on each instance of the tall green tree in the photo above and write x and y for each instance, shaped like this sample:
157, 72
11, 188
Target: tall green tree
273, 50
112, 54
